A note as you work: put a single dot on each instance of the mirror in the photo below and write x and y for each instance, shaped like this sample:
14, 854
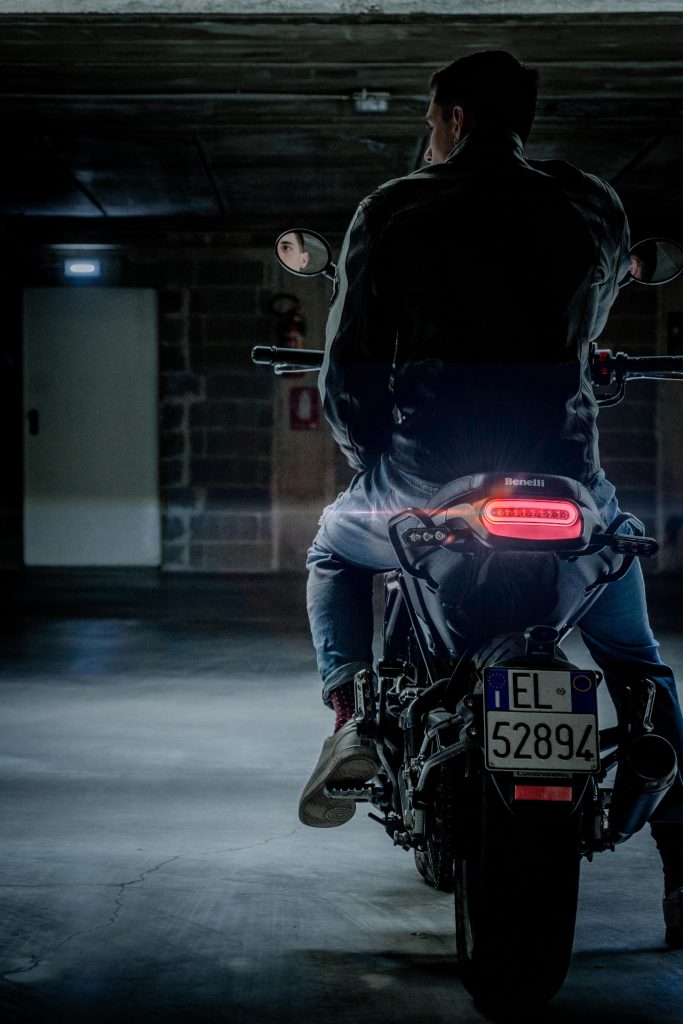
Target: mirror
656, 261
303, 252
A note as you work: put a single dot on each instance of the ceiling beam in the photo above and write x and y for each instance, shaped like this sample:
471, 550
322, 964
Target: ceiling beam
357, 8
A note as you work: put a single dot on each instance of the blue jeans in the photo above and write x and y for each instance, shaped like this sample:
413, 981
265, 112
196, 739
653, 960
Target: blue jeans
352, 546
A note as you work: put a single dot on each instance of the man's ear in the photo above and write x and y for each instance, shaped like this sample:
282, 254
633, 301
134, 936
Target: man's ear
461, 122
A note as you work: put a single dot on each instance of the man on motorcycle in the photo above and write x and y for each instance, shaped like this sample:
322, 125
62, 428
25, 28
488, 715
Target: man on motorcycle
466, 298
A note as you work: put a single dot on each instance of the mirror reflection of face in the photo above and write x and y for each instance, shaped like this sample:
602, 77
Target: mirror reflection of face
290, 249
303, 252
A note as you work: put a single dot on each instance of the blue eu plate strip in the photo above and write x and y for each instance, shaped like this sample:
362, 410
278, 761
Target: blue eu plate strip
497, 689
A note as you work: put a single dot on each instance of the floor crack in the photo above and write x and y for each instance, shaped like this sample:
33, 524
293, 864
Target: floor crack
122, 887
251, 846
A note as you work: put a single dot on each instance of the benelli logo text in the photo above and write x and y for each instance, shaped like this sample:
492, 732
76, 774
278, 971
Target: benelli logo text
510, 482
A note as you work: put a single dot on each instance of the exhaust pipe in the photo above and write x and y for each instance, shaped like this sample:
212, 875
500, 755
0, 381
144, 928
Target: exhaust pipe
644, 777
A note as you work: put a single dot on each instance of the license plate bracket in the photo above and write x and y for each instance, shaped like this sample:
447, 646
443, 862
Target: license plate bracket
541, 719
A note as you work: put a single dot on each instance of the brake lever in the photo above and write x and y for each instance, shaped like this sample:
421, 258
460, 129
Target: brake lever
282, 369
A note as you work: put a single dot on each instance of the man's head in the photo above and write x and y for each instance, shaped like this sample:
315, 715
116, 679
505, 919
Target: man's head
490, 88
292, 252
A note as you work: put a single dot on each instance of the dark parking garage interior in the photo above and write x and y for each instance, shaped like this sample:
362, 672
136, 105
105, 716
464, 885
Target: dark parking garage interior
160, 701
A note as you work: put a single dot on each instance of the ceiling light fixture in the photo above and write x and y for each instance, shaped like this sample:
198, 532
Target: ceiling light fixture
371, 102
82, 268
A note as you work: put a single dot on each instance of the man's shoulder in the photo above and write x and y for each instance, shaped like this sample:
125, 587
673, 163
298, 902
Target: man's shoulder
396, 193
571, 176
430, 185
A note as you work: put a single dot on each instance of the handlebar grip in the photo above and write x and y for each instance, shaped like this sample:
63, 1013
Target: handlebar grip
269, 355
653, 364
263, 355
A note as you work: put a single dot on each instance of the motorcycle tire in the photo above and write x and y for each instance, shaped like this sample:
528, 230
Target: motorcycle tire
516, 892
435, 861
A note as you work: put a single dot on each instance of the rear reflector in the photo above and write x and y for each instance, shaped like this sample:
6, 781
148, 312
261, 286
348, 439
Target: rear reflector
532, 518
562, 793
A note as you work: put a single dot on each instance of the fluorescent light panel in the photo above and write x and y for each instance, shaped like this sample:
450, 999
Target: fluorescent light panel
82, 267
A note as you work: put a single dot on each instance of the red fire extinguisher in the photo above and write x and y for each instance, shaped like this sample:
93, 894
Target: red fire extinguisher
290, 325
304, 402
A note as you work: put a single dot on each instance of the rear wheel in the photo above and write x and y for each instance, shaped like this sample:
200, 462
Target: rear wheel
516, 890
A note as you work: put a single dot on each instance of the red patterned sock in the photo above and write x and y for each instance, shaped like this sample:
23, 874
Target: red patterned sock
344, 704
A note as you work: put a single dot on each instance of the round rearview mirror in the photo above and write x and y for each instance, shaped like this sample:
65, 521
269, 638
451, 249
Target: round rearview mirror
303, 252
656, 261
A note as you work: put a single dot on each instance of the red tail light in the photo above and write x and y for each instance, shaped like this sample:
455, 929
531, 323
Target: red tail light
532, 518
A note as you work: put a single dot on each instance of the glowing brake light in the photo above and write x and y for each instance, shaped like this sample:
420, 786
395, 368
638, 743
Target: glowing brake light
532, 518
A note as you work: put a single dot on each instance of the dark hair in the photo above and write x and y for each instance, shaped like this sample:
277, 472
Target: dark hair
493, 86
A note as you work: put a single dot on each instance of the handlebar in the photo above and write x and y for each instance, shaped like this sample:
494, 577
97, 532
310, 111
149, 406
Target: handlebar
288, 359
609, 371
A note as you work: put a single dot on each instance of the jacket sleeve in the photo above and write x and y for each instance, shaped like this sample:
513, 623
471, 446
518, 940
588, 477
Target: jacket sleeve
355, 379
615, 259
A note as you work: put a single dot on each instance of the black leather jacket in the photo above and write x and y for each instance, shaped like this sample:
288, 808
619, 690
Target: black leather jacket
466, 297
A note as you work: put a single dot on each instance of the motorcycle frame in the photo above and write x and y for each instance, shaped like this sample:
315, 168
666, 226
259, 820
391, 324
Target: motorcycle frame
438, 697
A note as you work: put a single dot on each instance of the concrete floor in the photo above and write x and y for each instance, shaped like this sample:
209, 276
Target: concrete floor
154, 738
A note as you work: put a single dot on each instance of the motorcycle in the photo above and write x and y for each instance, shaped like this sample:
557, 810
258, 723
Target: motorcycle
495, 772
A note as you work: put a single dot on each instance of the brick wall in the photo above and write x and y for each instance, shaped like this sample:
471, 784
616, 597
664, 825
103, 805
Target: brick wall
628, 438
670, 467
215, 407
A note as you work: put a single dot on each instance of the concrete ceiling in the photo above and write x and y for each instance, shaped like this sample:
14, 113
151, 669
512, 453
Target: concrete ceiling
233, 120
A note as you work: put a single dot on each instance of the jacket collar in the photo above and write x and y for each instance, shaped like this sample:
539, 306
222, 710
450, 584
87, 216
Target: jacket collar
484, 146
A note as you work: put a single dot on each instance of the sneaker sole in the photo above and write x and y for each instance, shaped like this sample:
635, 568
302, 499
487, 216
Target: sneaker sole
320, 811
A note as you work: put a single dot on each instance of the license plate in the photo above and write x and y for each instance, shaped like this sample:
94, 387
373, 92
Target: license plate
541, 719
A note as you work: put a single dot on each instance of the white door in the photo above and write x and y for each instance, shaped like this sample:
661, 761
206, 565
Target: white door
91, 436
